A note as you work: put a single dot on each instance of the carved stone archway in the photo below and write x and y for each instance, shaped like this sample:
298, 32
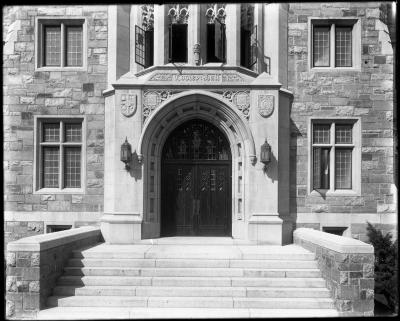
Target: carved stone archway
169, 115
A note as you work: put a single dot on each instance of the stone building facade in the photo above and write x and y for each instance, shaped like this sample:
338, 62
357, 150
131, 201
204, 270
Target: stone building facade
145, 72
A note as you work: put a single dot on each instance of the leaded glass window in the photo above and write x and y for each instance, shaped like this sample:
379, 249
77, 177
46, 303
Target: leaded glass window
343, 47
332, 44
321, 46
52, 46
60, 43
74, 46
332, 150
60, 153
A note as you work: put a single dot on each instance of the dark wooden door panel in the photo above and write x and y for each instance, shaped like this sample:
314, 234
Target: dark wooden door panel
196, 189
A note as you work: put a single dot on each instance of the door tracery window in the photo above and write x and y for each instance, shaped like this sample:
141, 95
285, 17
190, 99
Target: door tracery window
196, 140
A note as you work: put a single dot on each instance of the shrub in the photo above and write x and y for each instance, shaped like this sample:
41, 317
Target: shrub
385, 265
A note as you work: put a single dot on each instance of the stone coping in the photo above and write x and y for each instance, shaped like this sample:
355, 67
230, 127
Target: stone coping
333, 242
47, 241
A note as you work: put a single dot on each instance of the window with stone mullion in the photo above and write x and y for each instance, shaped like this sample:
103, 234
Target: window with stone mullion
61, 153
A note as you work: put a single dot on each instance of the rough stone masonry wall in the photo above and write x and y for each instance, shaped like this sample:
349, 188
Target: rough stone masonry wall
349, 277
27, 92
367, 94
32, 275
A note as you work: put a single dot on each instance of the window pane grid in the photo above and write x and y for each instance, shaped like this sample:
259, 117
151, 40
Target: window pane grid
73, 132
50, 166
51, 132
343, 168
72, 172
343, 47
74, 46
321, 134
343, 134
321, 46
52, 46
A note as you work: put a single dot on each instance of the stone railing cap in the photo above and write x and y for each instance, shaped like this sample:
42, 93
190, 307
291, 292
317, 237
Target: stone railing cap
333, 242
46, 241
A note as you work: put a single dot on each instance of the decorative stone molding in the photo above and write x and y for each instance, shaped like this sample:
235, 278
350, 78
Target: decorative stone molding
128, 105
147, 16
215, 11
241, 99
196, 54
153, 98
265, 105
178, 13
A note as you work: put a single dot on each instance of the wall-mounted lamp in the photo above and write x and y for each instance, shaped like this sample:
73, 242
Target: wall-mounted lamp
126, 153
265, 153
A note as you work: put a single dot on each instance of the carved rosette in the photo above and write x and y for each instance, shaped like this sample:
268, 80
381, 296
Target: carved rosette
241, 99
152, 99
128, 104
265, 105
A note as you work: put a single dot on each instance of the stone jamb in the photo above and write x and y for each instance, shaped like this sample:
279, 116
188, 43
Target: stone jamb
347, 265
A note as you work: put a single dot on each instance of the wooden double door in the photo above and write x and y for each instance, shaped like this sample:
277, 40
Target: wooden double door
196, 198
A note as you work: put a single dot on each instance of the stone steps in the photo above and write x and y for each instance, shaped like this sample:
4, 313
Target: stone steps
102, 313
186, 255
191, 281
146, 277
125, 271
190, 302
189, 291
192, 263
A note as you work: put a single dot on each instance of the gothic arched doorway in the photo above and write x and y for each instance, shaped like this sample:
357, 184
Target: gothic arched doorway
196, 181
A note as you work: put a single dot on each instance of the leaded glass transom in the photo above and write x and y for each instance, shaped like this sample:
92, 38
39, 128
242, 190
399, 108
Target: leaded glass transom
196, 140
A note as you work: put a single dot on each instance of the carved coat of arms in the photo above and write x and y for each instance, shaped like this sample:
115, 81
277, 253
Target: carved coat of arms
128, 105
265, 105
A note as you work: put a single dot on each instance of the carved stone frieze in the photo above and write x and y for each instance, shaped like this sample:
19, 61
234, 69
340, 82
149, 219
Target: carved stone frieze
240, 98
153, 98
198, 77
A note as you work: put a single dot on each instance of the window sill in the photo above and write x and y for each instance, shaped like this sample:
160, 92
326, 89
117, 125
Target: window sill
338, 192
335, 69
61, 68
60, 191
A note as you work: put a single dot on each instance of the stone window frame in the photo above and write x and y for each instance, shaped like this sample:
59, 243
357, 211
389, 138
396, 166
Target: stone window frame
356, 158
40, 22
38, 121
355, 22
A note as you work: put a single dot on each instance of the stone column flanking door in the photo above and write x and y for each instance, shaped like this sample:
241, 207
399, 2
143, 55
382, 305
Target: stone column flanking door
123, 188
268, 200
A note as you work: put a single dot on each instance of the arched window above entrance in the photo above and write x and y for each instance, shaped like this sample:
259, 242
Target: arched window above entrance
196, 140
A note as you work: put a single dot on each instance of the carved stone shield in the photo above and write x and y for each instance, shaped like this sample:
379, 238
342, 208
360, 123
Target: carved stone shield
265, 105
128, 105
